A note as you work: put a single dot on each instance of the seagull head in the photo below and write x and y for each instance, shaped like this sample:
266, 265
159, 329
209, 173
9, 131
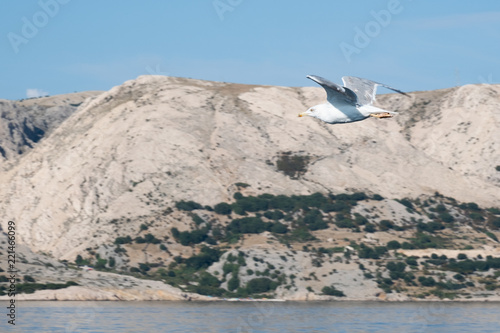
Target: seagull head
312, 112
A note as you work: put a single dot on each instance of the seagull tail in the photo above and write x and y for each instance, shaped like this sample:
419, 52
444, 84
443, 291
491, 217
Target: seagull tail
373, 111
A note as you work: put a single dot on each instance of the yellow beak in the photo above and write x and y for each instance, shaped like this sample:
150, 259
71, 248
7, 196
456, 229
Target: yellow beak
302, 114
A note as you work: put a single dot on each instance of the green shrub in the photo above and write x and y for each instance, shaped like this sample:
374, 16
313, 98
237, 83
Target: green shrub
360, 219
192, 237
233, 283
188, 205
248, 225
446, 217
282, 202
274, 215
149, 238
491, 235
366, 252
80, 261
208, 280
412, 261
473, 206
292, 165
314, 220
496, 222
346, 223
476, 217
332, 291
406, 202
359, 196
260, 285
370, 227
223, 208
197, 219
407, 246
123, 240
279, 228
427, 281
250, 204
430, 226
393, 245
27, 278
396, 266
386, 225
204, 259
111, 262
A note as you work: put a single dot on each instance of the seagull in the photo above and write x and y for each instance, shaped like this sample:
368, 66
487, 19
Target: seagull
350, 103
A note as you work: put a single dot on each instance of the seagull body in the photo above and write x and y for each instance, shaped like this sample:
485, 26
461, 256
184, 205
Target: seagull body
350, 103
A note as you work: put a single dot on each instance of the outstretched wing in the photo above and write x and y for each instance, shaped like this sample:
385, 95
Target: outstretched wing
334, 92
365, 89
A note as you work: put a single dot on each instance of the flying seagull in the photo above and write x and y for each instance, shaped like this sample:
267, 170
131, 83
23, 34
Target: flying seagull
350, 103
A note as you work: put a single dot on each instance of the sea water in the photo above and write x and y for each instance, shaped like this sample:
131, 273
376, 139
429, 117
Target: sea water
253, 317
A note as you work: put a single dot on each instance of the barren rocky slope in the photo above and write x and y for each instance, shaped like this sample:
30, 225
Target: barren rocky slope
152, 141
23, 123
124, 158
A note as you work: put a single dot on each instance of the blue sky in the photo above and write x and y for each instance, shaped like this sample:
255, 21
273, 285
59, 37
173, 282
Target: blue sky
62, 46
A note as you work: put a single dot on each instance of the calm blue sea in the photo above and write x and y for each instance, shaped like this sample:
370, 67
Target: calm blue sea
253, 317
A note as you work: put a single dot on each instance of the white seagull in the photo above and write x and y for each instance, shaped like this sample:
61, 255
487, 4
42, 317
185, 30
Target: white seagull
350, 103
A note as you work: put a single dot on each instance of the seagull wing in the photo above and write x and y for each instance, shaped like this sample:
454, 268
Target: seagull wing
365, 89
334, 93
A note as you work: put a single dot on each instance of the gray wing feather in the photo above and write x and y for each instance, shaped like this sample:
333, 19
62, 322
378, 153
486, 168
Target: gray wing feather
334, 92
365, 89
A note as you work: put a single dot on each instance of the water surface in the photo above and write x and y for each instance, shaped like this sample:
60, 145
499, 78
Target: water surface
253, 317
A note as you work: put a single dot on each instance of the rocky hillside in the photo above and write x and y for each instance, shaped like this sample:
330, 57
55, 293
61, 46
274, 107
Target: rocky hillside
111, 180
25, 122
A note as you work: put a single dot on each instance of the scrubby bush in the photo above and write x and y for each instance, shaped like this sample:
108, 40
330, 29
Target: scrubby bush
188, 205
430, 226
260, 285
427, 281
332, 291
406, 202
393, 245
223, 208
370, 228
279, 228
345, 223
282, 202
386, 225
204, 259
123, 240
366, 252
496, 222
314, 220
360, 219
412, 261
247, 225
446, 217
274, 215
233, 283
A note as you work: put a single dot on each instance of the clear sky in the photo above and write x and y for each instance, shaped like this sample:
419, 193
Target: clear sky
61, 46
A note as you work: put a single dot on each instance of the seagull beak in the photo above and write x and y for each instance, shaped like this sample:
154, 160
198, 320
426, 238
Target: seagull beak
302, 114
